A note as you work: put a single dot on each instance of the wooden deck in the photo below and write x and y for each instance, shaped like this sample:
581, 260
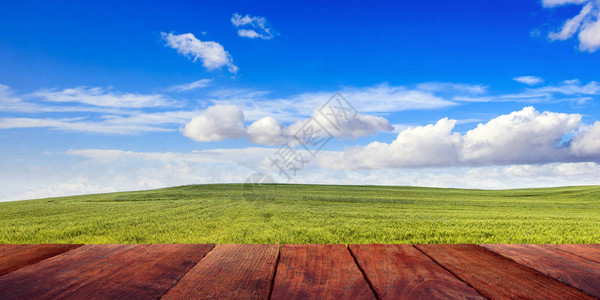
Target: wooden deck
200, 271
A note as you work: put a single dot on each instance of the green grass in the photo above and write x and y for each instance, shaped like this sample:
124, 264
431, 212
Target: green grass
309, 214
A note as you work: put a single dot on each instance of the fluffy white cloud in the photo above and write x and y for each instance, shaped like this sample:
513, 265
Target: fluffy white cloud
529, 80
255, 23
212, 54
267, 131
521, 137
227, 122
586, 22
103, 97
423, 146
216, 123
587, 143
190, 86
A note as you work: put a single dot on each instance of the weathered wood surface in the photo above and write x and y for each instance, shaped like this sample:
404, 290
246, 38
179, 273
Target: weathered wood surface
14, 257
104, 272
568, 268
587, 251
319, 272
230, 272
181, 271
403, 272
496, 276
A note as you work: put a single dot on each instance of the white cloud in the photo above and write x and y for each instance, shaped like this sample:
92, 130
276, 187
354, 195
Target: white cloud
190, 86
422, 146
216, 123
529, 80
255, 23
212, 54
221, 122
110, 124
569, 90
103, 97
587, 143
553, 3
586, 22
378, 99
521, 137
267, 131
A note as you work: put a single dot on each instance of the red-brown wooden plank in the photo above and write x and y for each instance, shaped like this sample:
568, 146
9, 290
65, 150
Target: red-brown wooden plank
403, 272
104, 271
319, 272
587, 251
496, 276
230, 272
14, 257
564, 267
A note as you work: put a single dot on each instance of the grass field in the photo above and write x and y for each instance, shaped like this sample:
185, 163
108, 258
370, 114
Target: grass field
309, 214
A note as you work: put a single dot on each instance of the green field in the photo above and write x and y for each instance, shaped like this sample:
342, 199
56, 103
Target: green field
309, 214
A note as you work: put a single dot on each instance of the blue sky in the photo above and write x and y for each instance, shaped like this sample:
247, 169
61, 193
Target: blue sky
119, 95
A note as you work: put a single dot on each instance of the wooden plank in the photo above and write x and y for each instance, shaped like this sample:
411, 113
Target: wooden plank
104, 271
403, 272
587, 251
496, 276
230, 272
14, 257
567, 268
319, 272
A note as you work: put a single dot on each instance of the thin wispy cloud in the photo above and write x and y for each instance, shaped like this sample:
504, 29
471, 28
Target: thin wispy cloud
252, 26
104, 97
529, 80
211, 54
202, 83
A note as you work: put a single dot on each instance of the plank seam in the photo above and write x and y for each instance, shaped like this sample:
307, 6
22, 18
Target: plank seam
450, 271
364, 274
530, 268
569, 252
178, 280
272, 285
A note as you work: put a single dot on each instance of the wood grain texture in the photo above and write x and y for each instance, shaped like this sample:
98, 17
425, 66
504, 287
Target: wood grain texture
230, 272
567, 268
104, 272
587, 251
319, 272
14, 257
496, 276
403, 272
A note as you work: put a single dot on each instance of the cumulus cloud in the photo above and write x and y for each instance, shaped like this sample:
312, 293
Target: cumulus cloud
190, 86
255, 27
529, 80
587, 143
98, 96
227, 122
267, 131
586, 24
216, 123
212, 54
521, 137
